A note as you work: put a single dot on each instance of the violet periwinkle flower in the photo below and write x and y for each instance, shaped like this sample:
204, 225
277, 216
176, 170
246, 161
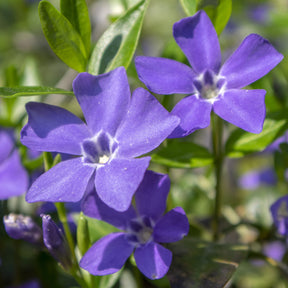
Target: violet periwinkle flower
24, 228
279, 211
211, 87
55, 242
254, 179
13, 177
143, 229
30, 284
117, 130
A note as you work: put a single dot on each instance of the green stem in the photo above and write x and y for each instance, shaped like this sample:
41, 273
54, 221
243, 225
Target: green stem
217, 131
75, 270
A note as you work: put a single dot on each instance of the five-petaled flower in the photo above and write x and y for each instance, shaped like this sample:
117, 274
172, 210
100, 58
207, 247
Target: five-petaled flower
118, 129
144, 228
211, 87
13, 177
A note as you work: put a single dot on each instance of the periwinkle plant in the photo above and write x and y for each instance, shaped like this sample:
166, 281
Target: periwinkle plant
103, 159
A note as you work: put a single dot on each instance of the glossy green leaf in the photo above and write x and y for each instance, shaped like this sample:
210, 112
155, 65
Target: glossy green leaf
62, 37
223, 13
241, 142
219, 13
183, 155
99, 229
117, 45
10, 92
204, 265
189, 6
76, 11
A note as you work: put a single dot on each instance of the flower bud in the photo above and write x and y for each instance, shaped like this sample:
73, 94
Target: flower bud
23, 227
55, 241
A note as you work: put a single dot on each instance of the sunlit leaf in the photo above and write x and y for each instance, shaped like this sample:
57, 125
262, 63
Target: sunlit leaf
189, 6
183, 155
10, 92
219, 13
203, 265
62, 37
117, 45
76, 11
241, 142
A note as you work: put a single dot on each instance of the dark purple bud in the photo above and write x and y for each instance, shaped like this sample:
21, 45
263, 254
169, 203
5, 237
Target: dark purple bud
23, 227
55, 242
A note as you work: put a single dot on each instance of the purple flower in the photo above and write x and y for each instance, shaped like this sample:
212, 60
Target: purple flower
13, 177
144, 228
254, 179
211, 87
117, 130
24, 228
279, 211
55, 242
30, 284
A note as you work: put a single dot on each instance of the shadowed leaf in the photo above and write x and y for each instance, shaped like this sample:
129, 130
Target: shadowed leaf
203, 265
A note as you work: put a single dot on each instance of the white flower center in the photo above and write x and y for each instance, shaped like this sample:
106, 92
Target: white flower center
99, 149
209, 85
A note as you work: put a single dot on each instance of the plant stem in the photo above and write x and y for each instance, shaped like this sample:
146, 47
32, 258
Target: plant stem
75, 270
217, 131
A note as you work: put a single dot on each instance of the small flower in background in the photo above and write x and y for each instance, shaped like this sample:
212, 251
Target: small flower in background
50, 236
144, 228
30, 284
211, 86
13, 177
117, 130
279, 211
253, 179
275, 250
23, 227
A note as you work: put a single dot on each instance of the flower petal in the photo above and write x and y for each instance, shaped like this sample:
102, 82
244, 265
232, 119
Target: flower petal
54, 129
107, 255
165, 76
94, 207
194, 114
145, 126
104, 99
198, 40
7, 144
151, 194
65, 182
279, 211
243, 108
153, 260
171, 227
117, 181
13, 177
253, 59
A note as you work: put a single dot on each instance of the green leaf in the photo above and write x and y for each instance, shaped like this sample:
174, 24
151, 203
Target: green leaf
219, 14
10, 92
62, 37
203, 265
223, 13
241, 142
99, 229
76, 11
118, 43
189, 6
183, 155
108, 281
